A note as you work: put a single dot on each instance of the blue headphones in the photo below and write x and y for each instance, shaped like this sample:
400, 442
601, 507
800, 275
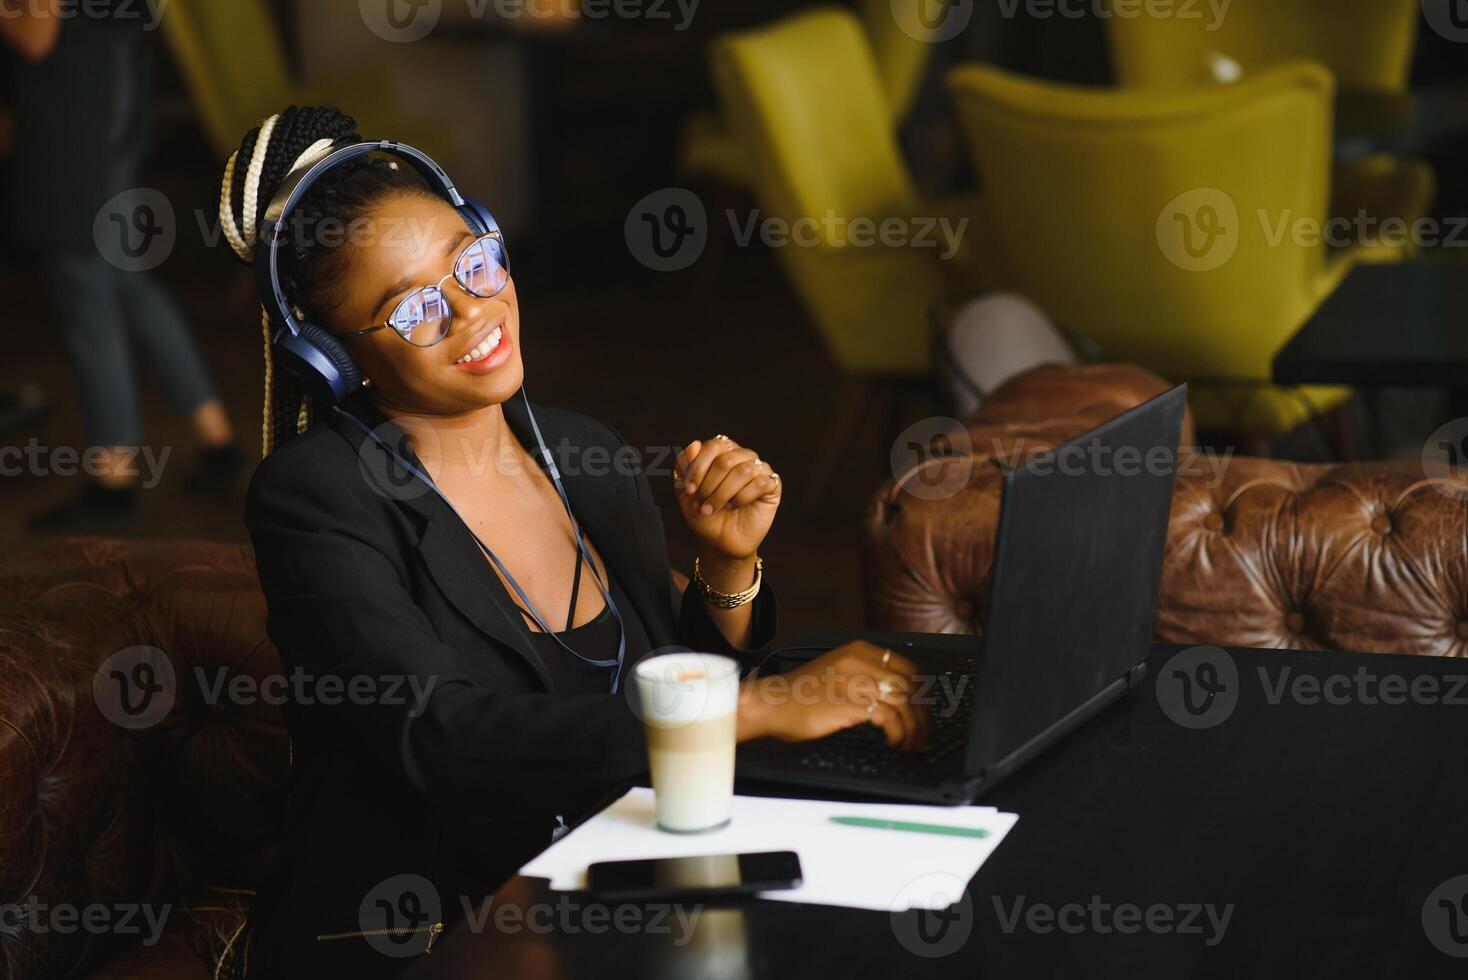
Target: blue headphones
309, 353
322, 366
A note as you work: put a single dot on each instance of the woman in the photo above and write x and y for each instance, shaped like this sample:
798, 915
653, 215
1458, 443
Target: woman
475, 734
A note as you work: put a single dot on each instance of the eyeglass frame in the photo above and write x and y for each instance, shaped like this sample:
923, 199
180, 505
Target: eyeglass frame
387, 324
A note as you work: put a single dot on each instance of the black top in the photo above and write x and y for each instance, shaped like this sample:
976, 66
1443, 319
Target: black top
595, 639
366, 574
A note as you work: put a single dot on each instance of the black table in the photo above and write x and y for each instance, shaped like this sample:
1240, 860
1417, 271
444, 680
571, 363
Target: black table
1326, 827
1404, 324
1401, 124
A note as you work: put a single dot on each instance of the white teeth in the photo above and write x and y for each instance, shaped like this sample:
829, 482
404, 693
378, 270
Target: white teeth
485, 348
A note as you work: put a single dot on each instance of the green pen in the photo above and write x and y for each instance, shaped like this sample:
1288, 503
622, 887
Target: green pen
919, 828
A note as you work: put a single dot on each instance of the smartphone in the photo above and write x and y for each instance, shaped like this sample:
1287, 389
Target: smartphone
709, 876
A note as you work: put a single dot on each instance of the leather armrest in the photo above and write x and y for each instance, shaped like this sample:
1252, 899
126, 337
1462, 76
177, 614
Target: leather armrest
97, 812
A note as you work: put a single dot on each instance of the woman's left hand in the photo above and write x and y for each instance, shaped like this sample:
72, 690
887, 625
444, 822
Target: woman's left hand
728, 495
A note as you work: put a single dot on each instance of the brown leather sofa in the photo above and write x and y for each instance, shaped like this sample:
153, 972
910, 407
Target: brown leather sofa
100, 819
1359, 556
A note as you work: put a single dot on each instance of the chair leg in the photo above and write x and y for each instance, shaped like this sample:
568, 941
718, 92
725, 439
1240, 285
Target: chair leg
856, 405
1335, 425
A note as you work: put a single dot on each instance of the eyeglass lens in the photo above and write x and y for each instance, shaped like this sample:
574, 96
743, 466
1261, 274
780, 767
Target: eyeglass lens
424, 315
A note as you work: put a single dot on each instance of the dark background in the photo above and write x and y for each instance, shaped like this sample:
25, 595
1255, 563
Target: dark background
665, 357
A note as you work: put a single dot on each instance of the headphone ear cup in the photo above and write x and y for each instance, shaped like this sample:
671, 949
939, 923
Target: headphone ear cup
317, 359
478, 217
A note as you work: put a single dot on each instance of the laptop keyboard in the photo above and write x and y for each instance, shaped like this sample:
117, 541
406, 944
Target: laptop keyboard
863, 750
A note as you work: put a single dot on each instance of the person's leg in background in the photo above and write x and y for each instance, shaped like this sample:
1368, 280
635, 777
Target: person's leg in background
107, 317
82, 291
162, 340
991, 339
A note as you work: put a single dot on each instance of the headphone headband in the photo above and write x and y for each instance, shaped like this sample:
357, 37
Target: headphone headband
293, 189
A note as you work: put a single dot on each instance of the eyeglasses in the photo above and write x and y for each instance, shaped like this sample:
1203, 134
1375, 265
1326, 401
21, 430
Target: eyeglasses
424, 316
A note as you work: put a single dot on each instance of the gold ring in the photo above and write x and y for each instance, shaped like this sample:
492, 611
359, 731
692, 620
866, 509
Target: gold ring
871, 707
886, 658
889, 685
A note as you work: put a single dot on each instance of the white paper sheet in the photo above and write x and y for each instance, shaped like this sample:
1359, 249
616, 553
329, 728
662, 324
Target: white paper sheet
854, 867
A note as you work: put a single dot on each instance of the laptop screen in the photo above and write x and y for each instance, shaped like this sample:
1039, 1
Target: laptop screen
1077, 562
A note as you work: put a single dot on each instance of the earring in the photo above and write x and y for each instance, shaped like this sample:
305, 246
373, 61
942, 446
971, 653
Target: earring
366, 382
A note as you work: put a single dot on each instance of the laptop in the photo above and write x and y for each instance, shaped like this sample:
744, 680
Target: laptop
1072, 597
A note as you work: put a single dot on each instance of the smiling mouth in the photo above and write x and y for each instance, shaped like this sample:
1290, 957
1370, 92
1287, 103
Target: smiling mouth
485, 347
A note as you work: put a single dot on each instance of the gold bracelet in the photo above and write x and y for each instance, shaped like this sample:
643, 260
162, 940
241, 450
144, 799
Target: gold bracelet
728, 600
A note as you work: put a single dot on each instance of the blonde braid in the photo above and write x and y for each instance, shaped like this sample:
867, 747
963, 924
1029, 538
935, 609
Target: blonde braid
251, 204
226, 213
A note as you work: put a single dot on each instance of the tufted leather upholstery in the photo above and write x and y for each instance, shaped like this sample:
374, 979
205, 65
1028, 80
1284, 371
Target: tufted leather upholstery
94, 814
1362, 556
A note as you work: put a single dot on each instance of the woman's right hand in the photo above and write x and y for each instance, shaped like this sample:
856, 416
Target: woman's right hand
843, 688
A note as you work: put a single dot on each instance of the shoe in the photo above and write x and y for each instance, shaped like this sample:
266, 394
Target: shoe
216, 472
96, 508
22, 407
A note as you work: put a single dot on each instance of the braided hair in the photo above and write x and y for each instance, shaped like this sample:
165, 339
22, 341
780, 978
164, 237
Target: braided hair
310, 264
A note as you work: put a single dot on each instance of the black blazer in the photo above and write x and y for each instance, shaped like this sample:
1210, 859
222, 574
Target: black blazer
371, 579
